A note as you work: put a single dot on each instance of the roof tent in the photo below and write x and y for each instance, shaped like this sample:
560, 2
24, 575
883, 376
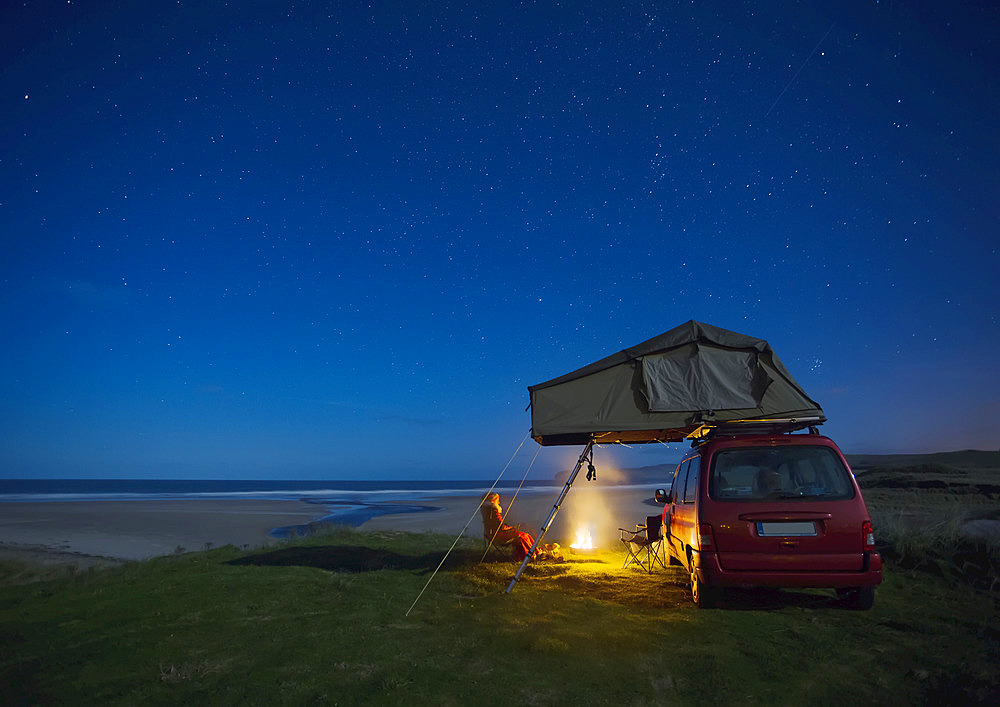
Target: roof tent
679, 384
668, 387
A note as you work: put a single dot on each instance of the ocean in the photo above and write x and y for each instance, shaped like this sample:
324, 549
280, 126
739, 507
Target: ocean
344, 502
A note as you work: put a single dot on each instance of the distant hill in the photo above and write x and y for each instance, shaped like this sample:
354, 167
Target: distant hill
967, 459
967, 471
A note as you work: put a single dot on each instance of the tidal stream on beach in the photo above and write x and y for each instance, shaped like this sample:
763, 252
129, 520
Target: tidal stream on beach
133, 520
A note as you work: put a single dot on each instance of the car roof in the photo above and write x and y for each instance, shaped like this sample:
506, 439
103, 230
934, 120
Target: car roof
764, 440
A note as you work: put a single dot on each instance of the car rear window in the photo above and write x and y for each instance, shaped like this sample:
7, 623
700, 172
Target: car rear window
795, 473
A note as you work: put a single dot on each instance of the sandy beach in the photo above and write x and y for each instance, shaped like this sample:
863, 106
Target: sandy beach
87, 532
94, 532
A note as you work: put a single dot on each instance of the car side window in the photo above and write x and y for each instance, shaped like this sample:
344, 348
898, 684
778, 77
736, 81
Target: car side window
691, 487
677, 486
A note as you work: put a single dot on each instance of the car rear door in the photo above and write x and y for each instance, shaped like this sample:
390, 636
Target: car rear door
790, 534
817, 538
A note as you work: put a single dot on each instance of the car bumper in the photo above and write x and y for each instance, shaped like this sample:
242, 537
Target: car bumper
709, 571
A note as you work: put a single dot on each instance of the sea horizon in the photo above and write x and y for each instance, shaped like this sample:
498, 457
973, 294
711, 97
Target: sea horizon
312, 490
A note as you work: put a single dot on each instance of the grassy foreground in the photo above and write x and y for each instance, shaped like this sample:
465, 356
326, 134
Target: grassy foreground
322, 620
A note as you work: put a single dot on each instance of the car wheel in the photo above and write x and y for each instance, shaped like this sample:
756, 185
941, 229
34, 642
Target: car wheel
862, 598
702, 595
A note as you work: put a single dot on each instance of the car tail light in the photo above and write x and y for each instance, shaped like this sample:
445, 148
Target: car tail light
705, 539
868, 534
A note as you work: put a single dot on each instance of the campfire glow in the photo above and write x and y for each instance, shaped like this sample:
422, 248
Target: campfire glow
584, 541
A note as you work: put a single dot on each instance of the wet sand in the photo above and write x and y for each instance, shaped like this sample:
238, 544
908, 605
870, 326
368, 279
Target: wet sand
99, 532
87, 532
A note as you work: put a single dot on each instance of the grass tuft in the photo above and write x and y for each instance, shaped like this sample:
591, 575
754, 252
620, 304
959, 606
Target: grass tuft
940, 543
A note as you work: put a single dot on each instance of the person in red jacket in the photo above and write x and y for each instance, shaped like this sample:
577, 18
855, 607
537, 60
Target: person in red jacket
500, 532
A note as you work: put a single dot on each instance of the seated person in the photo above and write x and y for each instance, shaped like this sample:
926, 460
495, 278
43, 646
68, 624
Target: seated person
768, 481
500, 532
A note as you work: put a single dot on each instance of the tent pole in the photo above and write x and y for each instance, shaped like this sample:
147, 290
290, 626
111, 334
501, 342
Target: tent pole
552, 515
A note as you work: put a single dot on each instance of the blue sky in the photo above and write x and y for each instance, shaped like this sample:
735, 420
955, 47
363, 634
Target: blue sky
339, 240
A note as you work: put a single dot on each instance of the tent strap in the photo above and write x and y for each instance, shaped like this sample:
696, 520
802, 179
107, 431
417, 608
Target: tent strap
509, 506
467, 524
555, 509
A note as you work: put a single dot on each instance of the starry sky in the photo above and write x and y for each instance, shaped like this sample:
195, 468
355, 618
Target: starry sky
340, 239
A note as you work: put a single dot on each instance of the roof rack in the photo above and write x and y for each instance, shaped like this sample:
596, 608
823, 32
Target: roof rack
740, 428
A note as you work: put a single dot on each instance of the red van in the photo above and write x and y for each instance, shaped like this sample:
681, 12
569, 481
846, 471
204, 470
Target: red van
775, 510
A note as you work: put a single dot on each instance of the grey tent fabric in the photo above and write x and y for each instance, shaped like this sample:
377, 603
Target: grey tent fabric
700, 378
665, 388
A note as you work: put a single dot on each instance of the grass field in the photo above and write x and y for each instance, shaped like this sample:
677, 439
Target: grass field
322, 620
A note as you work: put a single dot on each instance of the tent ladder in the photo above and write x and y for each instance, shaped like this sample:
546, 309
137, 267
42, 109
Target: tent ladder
555, 509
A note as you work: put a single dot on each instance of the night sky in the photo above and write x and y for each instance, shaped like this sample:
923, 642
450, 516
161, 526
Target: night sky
340, 239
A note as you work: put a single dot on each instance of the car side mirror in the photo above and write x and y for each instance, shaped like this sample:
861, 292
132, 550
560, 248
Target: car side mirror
661, 496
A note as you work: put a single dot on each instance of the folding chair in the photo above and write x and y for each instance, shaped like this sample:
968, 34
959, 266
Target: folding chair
492, 541
644, 544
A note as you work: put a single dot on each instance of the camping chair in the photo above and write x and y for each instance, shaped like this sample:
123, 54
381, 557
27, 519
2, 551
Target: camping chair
644, 544
491, 542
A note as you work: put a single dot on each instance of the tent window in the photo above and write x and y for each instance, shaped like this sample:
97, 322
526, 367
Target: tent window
698, 377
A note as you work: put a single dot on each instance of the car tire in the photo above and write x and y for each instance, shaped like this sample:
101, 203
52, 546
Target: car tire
861, 598
702, 595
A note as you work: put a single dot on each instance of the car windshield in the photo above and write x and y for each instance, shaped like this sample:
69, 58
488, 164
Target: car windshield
789, 472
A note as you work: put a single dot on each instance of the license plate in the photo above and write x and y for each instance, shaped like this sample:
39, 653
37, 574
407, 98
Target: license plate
786, 529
